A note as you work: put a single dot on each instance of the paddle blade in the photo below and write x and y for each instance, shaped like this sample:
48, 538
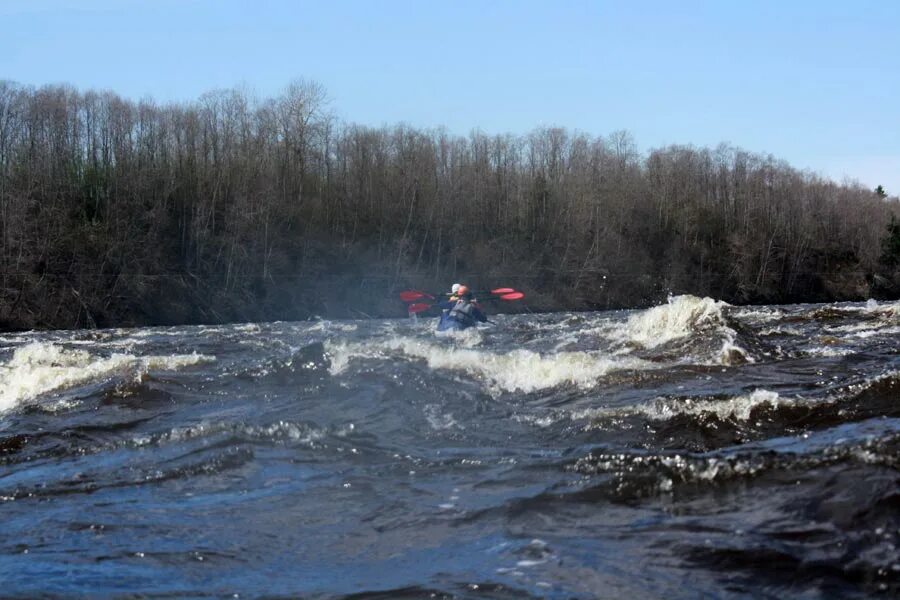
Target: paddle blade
503, 291
513, 296
417, 308
412, 295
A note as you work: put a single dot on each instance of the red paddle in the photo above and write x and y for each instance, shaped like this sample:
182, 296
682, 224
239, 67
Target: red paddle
413, 295
504, 293
417, 308
512, 296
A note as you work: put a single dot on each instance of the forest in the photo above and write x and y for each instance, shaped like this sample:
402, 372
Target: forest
115, 212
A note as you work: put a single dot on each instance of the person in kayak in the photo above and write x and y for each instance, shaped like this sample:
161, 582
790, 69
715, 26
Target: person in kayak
463, 313
450, 302
454, 293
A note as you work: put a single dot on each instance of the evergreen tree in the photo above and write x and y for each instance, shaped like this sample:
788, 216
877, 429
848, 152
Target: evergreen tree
890, 244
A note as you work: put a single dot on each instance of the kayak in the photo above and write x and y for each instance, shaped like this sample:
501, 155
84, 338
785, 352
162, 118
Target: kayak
445, 323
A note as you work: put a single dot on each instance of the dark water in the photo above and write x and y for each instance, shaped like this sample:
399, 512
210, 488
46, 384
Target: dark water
692, 450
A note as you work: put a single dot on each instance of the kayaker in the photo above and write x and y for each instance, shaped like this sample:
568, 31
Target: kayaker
465, 311
450, 302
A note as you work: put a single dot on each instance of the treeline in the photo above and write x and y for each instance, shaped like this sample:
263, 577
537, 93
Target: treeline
237, 208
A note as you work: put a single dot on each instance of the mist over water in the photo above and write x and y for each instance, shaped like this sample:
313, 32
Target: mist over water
692, 449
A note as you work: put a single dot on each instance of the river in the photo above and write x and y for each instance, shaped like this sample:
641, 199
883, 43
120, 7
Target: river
694, 449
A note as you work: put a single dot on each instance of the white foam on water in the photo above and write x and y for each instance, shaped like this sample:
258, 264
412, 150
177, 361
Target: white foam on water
681, 317
864, 326
828, 351
609, 331
663, 409
156, 331
889, 310
327, 326
737, 407
468, 337
39, 368
888, 318
545, 420
731, 353
127, 343
515, 371
782, 330
757, 313
873, 332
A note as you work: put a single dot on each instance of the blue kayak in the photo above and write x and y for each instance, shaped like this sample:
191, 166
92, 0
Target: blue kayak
445, 323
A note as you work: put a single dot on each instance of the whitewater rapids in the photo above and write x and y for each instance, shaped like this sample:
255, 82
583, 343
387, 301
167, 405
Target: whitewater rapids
692, 449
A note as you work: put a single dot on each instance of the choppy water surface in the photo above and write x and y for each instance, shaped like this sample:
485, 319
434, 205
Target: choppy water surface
693, 449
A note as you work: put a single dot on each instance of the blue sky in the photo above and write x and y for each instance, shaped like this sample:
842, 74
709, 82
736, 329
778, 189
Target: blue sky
816, 83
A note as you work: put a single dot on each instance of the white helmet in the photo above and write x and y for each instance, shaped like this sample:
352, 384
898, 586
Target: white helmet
454, 288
